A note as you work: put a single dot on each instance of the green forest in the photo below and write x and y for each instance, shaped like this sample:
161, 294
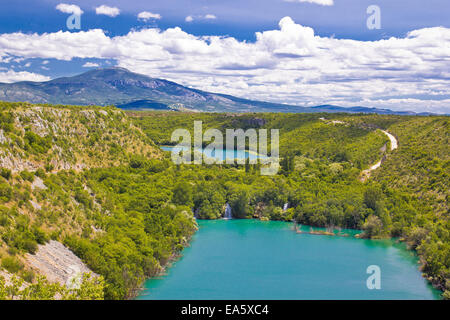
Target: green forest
127, 220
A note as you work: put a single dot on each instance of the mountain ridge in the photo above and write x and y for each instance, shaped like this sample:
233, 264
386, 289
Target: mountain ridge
133, 91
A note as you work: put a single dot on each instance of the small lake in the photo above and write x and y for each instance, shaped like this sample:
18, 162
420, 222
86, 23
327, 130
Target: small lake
225, 154
251, 259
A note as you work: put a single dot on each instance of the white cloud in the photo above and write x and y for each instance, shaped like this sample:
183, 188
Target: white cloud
69, 8
57, 45
107, 11
91, 65
290, 64
320, 2
208, 16
145, 16
13, 76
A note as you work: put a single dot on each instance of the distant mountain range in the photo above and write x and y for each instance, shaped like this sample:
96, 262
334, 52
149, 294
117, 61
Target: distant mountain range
129, 90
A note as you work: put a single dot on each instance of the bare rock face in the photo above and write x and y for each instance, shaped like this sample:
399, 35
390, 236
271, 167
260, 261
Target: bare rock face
6, 276
16, 163
3, 139
38, 184
57, 263
35, 205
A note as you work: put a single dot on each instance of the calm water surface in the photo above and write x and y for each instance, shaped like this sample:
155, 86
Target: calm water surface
250, 259
225, 154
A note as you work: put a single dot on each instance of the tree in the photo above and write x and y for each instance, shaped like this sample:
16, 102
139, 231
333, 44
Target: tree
372, 226
240, 206
205, 211
416, 235
371, 196
182, 194
287, 163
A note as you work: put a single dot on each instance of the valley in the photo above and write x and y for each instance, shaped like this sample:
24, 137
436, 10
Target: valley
96, 180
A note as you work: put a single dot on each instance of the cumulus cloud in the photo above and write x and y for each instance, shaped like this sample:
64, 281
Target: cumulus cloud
145, 16
210, 16
321, 2
107, 11
57, 45
189, 19
13, 76
290, 64
69, 8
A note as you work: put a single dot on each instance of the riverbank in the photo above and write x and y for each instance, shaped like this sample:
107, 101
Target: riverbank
164, 268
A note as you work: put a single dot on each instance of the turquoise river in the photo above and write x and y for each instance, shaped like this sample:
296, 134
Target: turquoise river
251, 259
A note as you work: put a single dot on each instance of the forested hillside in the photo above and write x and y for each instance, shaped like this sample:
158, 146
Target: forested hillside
309, 135
126, 210
44, 194
322, 159
421, 169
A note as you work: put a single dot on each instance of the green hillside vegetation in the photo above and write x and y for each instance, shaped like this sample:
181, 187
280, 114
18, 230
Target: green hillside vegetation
407, 197
128, 219
66, 209
420, 169
61, 137
300, 134
89, 289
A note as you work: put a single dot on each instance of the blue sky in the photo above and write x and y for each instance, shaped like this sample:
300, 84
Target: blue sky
238, 18
307, 59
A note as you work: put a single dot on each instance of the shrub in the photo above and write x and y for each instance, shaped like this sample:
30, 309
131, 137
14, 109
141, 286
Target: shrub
40, 173
36, 143
5, 192
372, 226
4, 217
27, 175
40, 235
30, 246
12, 264
28, 276
7, 121
5, 173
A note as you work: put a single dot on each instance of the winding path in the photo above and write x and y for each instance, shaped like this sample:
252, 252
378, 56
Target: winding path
365, 174
394, 142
